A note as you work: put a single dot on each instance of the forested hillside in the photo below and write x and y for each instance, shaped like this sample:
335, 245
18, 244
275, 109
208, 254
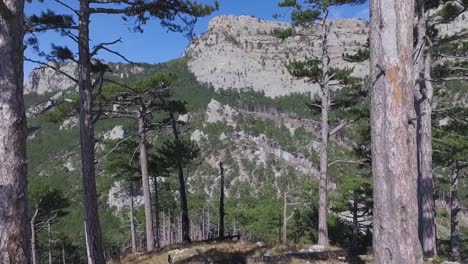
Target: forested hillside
315, 140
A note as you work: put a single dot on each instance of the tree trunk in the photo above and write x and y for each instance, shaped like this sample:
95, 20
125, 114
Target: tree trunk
183, 195
325, 98
221, 202
63, 255
285, 219
423, 104
49, 241
454, 210
146, 184
156, 213
14, 223
94, 247
132, 220
33, 242
395, 226
354, 243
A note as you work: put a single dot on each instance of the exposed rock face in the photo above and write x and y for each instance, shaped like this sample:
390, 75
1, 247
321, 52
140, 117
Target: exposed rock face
47, 80
241, 52
116, 133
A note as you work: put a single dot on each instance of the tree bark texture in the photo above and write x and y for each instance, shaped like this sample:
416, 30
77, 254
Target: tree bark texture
325, 98
146, 183
88, 173
185, 222
423, 104
14, 221
393, 133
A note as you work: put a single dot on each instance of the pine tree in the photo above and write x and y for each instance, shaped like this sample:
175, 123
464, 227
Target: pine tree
393, 128
168, 12
307, 14
47, 206
431, 48
14, 227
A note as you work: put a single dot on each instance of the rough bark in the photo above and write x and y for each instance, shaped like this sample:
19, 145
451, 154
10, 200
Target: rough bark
132, 220
454, 210
146, 183
182, 192
88, 173
221, 202
325, 98
395, 226
14, 221
423, 104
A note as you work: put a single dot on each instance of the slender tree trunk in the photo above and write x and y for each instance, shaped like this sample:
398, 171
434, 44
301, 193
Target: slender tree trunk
94, 247
221, 202
454, 210
182, 192
146, 183
285, 219
208, 227
395, 225
63, 255
14, 220
423, 105
156, 213
33, 242
325, 98
354, 243
49, 241
132, 220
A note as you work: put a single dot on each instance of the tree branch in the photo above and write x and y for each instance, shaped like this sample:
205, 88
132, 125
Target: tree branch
57, 69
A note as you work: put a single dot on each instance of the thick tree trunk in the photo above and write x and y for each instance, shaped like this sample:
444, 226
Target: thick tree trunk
423, 104
454, 210
93, 236
156, 213
132, 220
146, 183
325, 98
182, 192
14, 221
221, 202
395, 226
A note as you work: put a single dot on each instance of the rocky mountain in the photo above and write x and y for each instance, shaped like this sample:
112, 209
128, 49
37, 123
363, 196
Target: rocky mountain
242, 52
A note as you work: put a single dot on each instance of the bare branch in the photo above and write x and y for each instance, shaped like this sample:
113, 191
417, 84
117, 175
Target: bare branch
101, 45
345, 161
56, 68
68, 7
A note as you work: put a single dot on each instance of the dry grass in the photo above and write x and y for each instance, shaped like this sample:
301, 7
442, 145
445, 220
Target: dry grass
241, 253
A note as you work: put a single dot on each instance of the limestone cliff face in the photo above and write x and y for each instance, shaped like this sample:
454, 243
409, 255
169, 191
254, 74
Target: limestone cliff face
241, 52
49, 80
44, 80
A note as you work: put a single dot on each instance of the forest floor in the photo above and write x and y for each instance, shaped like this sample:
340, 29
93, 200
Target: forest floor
243, 253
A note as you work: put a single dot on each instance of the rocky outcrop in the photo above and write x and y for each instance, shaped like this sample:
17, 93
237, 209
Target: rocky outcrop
44, 80
241, 52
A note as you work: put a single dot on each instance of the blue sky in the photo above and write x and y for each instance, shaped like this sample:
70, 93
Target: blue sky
156, 44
